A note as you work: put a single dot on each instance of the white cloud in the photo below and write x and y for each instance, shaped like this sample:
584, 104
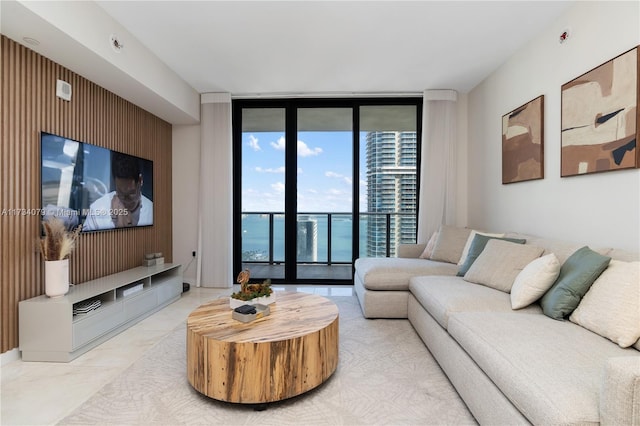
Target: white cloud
270, 170
278, 187
261, 201
253, 143
346, 179
334, 192
279, 145
305, 151
303, 148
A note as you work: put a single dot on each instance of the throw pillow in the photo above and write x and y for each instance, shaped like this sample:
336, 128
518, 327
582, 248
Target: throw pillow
577, 274
500, 263
534, 280
450, 242
428, 250
465, 251
477, 245
611, 307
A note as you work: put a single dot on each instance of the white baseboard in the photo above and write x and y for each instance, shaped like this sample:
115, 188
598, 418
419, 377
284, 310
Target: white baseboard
10, 356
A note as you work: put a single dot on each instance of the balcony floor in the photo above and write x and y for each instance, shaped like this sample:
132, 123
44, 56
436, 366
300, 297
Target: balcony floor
305, 272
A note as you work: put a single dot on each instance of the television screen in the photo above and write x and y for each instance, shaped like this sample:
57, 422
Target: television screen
94, 186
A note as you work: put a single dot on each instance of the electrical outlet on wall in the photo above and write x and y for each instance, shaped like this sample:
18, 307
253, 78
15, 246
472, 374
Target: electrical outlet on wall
193, 253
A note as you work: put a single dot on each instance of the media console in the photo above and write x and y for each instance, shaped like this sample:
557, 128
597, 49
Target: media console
63, 328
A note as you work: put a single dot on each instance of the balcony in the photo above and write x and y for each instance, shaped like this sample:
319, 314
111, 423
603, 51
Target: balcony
324, 242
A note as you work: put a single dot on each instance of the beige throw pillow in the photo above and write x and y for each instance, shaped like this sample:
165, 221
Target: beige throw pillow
500, 263
534, 280
450, 243
611, 307
473, 233
426, 254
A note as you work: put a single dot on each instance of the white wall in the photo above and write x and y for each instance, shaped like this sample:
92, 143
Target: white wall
186, 181
599, 209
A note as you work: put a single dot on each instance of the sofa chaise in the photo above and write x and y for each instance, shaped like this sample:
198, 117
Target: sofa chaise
579, 364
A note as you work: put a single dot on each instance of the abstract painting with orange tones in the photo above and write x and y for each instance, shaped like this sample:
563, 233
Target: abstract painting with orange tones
600, 118
523, 142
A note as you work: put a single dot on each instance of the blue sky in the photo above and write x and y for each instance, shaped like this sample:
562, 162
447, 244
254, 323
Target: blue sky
324, 172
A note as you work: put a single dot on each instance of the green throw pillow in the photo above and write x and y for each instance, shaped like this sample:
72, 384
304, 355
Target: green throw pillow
577, 274
477, 245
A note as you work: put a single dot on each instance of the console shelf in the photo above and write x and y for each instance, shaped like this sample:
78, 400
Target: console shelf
49, 330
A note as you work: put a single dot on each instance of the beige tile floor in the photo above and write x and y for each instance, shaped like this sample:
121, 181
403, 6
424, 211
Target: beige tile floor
40, 393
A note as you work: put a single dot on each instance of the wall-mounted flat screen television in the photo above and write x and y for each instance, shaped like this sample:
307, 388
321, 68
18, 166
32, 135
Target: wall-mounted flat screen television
94, 186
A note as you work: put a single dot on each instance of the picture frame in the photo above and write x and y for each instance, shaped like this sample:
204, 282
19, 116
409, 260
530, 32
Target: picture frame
523, 142
600, 118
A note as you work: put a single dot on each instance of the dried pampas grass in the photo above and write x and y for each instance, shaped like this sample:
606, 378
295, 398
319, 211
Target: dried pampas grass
57, 243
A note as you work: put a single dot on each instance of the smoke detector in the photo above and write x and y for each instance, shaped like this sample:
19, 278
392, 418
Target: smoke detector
116, 44
564, 35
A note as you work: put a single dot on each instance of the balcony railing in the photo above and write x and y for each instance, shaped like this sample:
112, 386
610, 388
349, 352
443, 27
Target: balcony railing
324, 238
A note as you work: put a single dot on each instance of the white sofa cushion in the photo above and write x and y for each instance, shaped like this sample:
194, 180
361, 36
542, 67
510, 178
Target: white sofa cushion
472, 235
450, 243
562, 249
534, 280
393, 273
428, 249
564, 372
443, 296
611, 307
500, 263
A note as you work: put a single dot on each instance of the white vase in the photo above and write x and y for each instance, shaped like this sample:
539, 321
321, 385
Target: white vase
264, 300
56, 277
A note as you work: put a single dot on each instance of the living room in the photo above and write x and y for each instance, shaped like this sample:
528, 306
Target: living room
600, 210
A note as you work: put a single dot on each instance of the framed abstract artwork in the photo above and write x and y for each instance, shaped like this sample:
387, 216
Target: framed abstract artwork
523, 142
600, 118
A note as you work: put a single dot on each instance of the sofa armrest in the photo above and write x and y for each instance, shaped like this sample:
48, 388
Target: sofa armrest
620, 392
411, 250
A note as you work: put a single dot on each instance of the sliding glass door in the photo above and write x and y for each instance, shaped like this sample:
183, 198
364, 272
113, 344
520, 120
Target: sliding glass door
319, 183
262, 239
324, 215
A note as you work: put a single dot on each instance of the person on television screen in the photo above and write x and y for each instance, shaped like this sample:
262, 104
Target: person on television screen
126, 206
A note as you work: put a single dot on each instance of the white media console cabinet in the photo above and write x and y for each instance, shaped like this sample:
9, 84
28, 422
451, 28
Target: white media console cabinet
49, 330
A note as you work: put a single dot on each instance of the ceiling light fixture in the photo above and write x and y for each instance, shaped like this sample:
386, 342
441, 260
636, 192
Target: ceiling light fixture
30, 40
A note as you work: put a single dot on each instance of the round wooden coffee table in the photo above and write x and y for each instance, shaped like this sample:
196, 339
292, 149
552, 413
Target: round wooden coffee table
287, 353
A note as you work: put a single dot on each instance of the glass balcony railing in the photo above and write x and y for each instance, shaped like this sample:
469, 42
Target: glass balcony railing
324, 238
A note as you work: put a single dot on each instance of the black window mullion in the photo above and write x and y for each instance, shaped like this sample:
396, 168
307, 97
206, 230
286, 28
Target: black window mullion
291, 193
355, 233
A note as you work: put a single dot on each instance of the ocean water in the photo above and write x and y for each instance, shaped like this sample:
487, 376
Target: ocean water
255, 237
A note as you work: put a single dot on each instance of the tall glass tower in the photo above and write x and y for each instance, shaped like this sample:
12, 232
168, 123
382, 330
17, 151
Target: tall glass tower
391, 188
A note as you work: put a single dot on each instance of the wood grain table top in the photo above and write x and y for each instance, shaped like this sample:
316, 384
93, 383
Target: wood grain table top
293, 314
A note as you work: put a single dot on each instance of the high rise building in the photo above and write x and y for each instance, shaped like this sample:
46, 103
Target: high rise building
391, 160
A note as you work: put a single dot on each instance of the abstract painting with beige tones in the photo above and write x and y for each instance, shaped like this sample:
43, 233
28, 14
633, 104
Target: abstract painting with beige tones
523, 142
599, 118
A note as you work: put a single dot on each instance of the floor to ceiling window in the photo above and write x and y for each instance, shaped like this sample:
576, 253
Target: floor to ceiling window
309, 175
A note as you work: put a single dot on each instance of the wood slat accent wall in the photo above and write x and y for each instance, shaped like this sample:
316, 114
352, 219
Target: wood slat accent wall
94, 115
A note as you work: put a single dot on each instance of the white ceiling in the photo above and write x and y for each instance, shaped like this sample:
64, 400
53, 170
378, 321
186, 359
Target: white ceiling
333, 47
175, 50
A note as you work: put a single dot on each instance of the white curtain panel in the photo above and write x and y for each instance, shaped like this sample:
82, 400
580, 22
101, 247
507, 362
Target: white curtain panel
438, 165
214, 264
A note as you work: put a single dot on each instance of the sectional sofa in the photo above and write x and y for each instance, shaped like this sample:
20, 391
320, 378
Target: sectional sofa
528, 329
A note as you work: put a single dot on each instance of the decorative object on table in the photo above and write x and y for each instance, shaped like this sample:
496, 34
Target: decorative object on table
251, 294
152, 259
523, 142
56, 245
600, 118
248, 313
